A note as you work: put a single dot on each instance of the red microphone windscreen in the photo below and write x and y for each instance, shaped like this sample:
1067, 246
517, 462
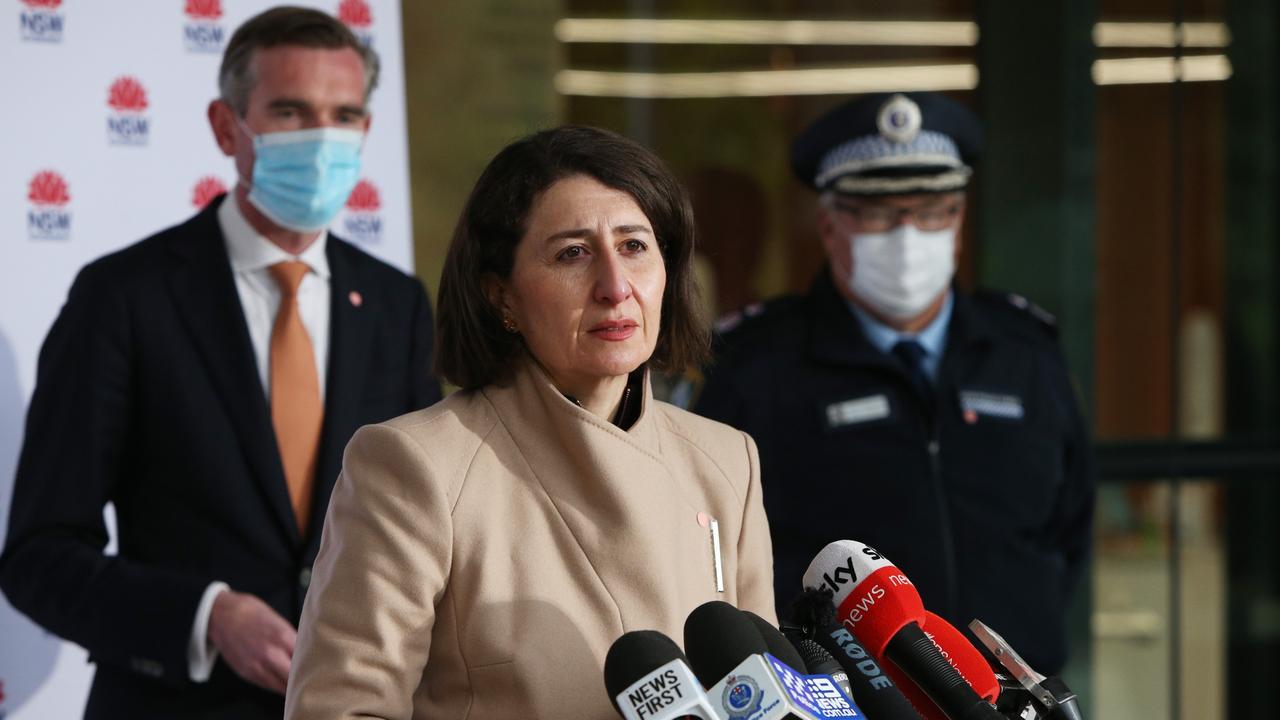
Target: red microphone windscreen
963, 656
873, 599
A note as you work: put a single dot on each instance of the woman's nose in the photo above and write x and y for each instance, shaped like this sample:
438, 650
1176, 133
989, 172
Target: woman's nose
612, 284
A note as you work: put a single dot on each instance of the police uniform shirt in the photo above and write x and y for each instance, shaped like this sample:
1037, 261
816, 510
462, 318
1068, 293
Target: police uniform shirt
932, 339
981, 491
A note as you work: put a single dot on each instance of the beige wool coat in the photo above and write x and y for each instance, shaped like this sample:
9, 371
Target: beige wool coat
479, 557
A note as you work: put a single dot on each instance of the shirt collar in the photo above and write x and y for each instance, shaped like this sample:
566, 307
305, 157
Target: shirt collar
249, 250
932, 338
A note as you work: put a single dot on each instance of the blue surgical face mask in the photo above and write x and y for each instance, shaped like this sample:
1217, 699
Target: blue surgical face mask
301, 178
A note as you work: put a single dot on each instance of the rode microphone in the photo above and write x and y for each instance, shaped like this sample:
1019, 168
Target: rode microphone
648, 678
877, 603
777, 644
812, 659
756, 685
813, 624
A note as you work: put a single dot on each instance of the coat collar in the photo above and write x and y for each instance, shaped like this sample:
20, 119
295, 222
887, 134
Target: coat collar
534, 394
613, 490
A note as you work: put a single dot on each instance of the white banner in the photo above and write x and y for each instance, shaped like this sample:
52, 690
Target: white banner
106, 143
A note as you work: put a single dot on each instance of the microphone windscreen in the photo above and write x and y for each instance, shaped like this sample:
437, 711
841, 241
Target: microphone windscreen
967, 659
717, 637
778, 645
634, 655
873, 598
817, 661
813, 608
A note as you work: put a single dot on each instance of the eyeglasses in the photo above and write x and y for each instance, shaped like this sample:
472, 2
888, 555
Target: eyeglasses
882, 218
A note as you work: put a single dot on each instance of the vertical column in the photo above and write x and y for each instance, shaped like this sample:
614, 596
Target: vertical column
1252, 355
1036, 181
1036, 189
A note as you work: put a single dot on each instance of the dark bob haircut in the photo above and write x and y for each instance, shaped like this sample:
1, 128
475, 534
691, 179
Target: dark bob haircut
472, 348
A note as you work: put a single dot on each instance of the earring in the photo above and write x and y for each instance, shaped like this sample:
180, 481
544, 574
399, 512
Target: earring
508, 323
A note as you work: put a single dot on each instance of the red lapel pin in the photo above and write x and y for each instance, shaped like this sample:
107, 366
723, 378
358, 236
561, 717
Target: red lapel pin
356, 298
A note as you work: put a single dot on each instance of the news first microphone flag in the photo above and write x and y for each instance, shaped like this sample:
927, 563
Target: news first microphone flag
106, 142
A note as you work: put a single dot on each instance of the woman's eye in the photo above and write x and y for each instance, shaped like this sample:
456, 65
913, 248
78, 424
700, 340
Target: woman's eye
570, 253
635, 246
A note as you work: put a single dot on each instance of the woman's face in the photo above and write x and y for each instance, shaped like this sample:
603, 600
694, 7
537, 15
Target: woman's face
586, 286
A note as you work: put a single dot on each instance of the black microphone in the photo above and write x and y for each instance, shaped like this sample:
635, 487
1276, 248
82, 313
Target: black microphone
813, 624
648, 678
815, 661
744, 679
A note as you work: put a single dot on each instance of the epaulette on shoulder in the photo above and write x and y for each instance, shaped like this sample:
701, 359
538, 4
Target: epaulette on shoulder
744, 320
1021, 310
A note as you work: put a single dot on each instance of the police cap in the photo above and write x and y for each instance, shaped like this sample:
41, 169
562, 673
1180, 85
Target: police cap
889, 143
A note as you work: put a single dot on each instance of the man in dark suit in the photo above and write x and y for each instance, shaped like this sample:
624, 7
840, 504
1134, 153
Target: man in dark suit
205, 381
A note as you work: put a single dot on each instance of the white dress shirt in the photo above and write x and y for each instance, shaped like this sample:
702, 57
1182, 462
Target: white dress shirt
251, 254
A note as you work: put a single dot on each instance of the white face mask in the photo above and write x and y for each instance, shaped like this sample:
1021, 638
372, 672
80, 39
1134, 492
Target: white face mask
900, 272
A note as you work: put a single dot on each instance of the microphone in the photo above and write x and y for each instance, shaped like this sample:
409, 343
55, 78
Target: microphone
813, 623
779, 646
648, 678
722, 640
962, 655
816, 662
881, 607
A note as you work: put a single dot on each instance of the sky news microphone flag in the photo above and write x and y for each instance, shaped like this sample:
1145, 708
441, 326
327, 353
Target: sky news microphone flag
111, 145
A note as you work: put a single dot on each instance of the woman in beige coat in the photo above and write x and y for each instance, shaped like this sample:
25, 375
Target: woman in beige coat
479, 557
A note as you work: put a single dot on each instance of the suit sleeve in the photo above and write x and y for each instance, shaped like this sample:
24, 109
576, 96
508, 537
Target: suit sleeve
383, 564
424, 386
74, 460
755, 548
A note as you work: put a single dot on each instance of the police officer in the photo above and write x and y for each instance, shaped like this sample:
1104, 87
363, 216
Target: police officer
938, 426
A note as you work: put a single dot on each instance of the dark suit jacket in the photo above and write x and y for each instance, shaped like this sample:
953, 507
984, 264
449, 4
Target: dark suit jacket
148, 397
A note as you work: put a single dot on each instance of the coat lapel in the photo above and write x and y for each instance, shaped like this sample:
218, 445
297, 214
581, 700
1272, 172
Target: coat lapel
612, 489
205, 294
353, 304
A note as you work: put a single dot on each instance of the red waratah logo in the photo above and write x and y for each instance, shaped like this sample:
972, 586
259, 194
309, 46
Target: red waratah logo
207, 188
364, 198
48, 188
127, 95
46, 4
204, 9
355, 13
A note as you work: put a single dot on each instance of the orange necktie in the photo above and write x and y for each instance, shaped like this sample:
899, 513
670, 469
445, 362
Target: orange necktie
296, 408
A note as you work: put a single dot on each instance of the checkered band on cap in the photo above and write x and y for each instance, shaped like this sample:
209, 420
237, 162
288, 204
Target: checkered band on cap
874, 152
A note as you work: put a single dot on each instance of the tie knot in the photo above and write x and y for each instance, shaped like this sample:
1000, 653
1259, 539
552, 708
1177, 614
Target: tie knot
909, 352
289, 275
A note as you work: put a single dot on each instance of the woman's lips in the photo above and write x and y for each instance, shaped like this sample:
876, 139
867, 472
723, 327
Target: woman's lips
615, 331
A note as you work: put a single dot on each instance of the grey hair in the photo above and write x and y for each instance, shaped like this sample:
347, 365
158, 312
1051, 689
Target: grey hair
286, 25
